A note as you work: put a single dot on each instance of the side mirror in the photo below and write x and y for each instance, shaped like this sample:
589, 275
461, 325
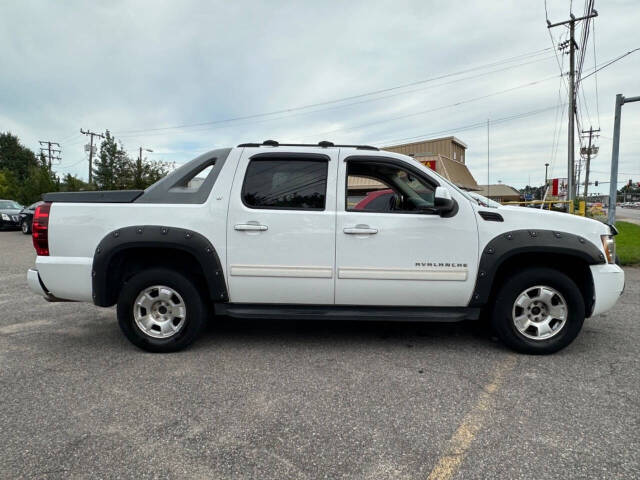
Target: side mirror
444, 203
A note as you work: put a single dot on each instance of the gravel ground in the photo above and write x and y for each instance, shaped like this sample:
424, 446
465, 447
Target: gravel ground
283, 399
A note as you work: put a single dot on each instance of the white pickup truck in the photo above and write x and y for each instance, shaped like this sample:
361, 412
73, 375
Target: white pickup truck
298, 231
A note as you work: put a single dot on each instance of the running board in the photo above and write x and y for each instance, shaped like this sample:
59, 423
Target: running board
347, 312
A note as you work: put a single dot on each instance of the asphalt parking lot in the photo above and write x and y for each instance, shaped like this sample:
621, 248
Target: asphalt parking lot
309, 400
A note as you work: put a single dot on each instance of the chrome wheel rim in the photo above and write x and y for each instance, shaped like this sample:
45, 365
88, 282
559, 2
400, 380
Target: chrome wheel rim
159, 311
540, 312
25, 227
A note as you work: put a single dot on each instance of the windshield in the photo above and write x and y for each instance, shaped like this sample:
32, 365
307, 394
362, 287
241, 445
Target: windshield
484, 201
8, 204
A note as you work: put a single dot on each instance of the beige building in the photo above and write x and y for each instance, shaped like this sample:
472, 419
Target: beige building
500, 192
444, 155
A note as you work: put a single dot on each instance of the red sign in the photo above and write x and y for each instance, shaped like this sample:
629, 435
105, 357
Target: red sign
430, 164
559, 187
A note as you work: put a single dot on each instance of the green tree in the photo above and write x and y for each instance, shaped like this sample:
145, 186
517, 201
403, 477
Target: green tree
146, 173
24, 176
536, 192
6, 184
71, 183
634, 188
16, 158
39, 181
112, 169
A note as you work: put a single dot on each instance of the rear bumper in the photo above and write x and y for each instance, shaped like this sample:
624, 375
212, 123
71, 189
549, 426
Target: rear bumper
608, 282
36, 286
66, 277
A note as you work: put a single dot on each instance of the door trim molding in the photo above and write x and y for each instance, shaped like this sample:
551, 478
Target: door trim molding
281, 271
458, 274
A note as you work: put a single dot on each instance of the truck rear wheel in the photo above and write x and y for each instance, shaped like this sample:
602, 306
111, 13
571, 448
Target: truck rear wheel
160, 310
538, 311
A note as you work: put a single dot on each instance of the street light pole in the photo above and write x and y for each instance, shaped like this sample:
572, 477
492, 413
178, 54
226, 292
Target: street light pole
488, 179
546, 169
140, 154
139, 166
615, 150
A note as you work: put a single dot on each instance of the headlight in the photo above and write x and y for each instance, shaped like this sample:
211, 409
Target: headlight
609, 245
6, 217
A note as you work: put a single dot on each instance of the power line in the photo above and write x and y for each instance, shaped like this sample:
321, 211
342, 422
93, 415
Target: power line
343, 99
595, 62
311, 112
557, 130
481, 124
553, 47
611, 62
571, 180
431, 110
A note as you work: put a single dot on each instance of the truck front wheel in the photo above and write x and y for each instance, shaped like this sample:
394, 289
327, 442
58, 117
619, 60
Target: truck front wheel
538, 311
160, 310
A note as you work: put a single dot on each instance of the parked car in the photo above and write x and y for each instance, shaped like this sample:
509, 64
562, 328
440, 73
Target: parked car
26, 217
9, 214
269, 231
378, 201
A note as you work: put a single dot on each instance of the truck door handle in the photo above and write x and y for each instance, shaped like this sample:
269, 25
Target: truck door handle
360, 229
250, 227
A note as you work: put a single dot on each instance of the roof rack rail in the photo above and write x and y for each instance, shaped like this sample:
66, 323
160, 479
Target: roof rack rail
322, 144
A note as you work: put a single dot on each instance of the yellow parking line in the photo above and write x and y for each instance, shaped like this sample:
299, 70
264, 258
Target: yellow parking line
450, 461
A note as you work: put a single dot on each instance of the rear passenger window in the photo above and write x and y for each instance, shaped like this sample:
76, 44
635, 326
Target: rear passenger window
193, 182
286, 184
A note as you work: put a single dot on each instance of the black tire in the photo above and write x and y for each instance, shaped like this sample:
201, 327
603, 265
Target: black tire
25, 226
194, 301
502, 312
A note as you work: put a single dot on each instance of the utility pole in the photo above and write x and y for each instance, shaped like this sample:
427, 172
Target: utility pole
91, 134
572, 94
590, 150
615, 151
51, 153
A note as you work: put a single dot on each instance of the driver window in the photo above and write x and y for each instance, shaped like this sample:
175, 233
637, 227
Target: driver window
386, 187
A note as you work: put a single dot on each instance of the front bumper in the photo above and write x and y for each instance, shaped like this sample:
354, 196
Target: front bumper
13, 223
608, 282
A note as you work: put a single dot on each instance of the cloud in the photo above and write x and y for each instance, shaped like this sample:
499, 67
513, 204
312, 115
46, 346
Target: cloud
130, 66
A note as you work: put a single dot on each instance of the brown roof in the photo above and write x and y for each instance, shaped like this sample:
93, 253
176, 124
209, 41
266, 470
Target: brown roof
499, 190
456, 172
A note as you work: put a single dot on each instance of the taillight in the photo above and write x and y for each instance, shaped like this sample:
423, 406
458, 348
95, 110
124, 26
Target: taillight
40, 229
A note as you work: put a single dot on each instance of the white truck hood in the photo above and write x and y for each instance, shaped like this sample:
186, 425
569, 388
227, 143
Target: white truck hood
522, 218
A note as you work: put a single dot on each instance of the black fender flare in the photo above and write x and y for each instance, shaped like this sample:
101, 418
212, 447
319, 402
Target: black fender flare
155, 236
509, 244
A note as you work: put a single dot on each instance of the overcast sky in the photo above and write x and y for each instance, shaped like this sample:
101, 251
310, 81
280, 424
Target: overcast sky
137, 67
